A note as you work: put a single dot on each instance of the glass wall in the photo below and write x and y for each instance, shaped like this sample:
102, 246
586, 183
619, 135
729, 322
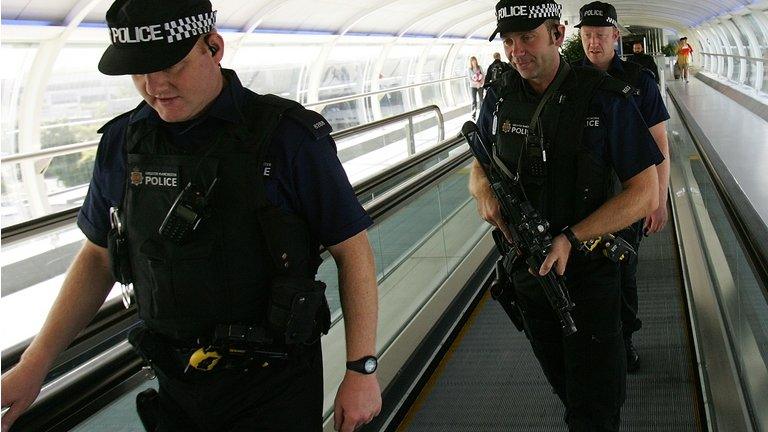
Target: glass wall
733, 50
74, 100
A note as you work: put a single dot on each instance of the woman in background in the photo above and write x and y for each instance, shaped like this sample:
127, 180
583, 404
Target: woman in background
684, 54
476, 81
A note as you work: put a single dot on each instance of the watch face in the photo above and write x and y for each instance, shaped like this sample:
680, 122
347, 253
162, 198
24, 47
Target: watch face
370, 365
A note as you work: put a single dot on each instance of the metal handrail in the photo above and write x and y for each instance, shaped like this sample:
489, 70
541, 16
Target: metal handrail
396, 119
51, 152
762, 60
377, 92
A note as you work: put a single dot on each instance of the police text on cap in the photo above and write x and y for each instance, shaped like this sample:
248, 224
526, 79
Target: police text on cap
171, 31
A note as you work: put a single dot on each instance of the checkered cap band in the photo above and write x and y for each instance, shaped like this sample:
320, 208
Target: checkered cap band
190, 26
548, 10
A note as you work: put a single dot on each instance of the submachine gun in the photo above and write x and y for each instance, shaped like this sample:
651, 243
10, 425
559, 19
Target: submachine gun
531, 241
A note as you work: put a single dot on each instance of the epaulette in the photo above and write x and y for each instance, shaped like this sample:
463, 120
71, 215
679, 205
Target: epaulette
312, 121
616, 85
106, 125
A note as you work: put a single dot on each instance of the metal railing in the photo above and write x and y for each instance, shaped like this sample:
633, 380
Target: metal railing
410, 133
742, 70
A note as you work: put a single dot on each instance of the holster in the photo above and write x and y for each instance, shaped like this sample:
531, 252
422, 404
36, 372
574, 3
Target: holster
148, 407
119, 260
503, 290
298, 311
155, 350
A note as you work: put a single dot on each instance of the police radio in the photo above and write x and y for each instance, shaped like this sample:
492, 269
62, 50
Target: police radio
184, 216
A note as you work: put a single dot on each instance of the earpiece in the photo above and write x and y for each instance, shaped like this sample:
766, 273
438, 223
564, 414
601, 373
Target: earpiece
556, 34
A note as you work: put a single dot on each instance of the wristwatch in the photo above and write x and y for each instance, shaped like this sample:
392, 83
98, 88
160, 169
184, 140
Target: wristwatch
366, 365
575, 243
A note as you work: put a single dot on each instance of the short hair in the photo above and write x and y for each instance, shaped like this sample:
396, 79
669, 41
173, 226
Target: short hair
637, 43
497, 56
551, 24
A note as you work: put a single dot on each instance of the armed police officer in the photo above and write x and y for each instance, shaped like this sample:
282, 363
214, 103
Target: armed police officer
213, 201
598, 35
587, 130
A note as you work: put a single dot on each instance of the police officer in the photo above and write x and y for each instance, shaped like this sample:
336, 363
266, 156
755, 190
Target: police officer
598, 36
588, 131
219, 199
495, 70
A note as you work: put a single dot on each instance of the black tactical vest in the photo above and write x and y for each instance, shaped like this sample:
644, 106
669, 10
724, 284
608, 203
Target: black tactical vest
222, 273
572, 182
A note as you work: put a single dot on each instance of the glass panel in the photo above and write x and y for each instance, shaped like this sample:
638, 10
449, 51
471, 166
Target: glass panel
17, 61
397, 65
282, 70
77, 100
345, 70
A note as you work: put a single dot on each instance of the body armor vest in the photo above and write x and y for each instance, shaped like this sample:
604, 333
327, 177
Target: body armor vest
221, 275
562, 179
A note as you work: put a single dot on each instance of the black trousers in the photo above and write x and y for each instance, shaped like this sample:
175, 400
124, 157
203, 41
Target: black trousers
285, 397
477, 94
587, 370
630, 323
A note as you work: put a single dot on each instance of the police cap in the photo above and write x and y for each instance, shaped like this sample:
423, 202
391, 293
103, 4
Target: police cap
149, 35
598, 14
523, 15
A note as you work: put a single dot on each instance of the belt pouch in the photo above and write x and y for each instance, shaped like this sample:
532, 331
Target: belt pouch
298, 310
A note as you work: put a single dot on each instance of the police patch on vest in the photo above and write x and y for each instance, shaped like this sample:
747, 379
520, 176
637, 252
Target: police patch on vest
517, 129
155, 177
593, 121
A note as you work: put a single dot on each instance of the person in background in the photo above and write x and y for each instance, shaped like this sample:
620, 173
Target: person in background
599, 34
495, 70
684, 56
476, 81
640, 57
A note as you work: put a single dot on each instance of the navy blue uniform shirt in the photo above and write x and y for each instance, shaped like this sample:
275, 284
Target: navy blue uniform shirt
620, 137
306, 176
649, 100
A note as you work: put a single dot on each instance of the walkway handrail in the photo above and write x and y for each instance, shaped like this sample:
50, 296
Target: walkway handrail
346, 133
378, 92
762, 60
749, 233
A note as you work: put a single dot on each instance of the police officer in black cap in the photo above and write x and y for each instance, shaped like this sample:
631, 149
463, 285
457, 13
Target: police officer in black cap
599, 33
587, 130
213, 201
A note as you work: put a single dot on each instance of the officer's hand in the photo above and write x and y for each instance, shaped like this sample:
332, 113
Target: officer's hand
358, 401
558, 256
489, 209
656, 221
20, 387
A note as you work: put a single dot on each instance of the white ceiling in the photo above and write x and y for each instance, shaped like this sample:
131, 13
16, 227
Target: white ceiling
460, 18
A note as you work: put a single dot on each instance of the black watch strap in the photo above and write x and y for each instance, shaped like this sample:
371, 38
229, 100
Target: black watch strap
366, 365
575, 243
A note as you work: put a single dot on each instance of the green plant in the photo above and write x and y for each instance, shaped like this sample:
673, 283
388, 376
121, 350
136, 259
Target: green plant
669, 50
572, 49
